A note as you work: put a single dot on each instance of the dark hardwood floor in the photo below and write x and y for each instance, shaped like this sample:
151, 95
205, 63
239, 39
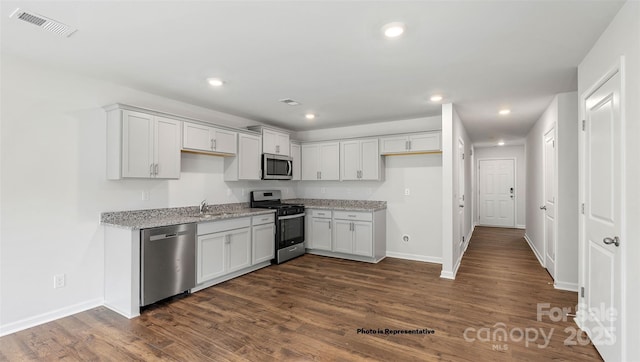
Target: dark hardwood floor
312, 307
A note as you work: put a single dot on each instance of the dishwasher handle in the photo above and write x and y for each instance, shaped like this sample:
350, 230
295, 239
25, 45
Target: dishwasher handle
167, 236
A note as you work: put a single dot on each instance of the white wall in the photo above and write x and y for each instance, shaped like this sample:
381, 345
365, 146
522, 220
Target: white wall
622, 38
535, 185
517, 153
54, 187
561, 115
418, 215
452, 246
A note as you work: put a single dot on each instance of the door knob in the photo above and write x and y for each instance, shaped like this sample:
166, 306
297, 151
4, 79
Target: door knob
615, 241
543, 207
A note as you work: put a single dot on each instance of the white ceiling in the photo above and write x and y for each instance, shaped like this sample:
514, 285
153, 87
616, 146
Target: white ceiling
330, 55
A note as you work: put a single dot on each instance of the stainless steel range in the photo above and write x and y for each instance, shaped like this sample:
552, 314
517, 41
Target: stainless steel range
289, 224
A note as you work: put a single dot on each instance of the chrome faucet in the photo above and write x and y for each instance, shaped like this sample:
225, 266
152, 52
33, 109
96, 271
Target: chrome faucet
203, 205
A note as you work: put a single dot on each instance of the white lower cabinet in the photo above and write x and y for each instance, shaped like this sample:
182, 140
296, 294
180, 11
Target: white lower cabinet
222, 253
320, 233
357, 235
263, 238
353, 237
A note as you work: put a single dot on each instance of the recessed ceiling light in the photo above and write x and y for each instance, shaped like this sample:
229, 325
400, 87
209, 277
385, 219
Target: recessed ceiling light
309, 116
393, 30
501, 143
504, 112
215, 82
436, 98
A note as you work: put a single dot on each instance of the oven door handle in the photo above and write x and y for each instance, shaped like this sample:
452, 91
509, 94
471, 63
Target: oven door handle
291, 216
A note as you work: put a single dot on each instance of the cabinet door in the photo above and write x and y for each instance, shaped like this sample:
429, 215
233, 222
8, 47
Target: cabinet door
321, 233
211, 256
225, 141
363, 238
282, 144
249, 157
296, 161
425, 142
395, 144
197, 137
269, 141
350, 160
330, 161
137, 144
264, 246
370, 160
167, 148
310, 165
343, 237
239, 249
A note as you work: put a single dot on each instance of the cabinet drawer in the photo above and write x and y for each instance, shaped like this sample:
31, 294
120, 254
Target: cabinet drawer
223, 225
263, 219
353, 215
320, 213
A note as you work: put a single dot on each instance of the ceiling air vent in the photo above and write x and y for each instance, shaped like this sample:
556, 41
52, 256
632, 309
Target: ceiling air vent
290, 102
44, 22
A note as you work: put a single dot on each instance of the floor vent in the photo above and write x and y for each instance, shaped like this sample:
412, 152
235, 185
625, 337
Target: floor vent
44, 23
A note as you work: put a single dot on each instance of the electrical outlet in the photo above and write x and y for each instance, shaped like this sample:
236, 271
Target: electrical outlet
407, 192
323, 190
228, 192
145, 195
242, 192
59, 281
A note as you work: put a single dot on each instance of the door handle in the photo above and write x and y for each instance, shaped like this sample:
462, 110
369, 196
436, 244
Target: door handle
461, 206
615, 241
543, 207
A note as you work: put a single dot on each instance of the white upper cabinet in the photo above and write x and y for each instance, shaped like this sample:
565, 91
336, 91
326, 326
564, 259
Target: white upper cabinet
199, 137
246, 165
275, 142
411, 143
360, 160
296, 154
142, 145
321, 161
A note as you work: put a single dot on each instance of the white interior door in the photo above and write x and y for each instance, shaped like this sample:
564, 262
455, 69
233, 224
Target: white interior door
602, 219
549, 204
461, 184
496, 192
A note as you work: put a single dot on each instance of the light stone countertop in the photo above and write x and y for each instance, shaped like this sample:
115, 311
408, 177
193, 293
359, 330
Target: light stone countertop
143, 219
347, 205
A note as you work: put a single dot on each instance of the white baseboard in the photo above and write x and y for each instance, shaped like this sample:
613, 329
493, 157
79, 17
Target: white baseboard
572, 287
416, 257
16, 326
535, 251
447, 275
521, 227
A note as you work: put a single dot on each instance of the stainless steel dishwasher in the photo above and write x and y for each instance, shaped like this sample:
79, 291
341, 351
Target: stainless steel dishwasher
168, 262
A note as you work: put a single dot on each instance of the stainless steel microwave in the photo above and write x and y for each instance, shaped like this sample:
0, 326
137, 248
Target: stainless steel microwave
276, 167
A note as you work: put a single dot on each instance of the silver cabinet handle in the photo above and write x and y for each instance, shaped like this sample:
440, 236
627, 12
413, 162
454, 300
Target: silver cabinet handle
409, 145
406, 145
320, 172
157, 169
615, 241
543, 207
215, 144
277, 148
151, 169
211, 144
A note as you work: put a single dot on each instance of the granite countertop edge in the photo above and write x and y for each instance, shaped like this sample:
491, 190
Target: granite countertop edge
144, 219
335, 204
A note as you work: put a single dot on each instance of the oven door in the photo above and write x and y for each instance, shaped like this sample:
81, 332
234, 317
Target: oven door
290, 230
276, 167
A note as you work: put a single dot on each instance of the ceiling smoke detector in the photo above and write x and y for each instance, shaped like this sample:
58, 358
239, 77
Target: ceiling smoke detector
43, 22
290, 102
